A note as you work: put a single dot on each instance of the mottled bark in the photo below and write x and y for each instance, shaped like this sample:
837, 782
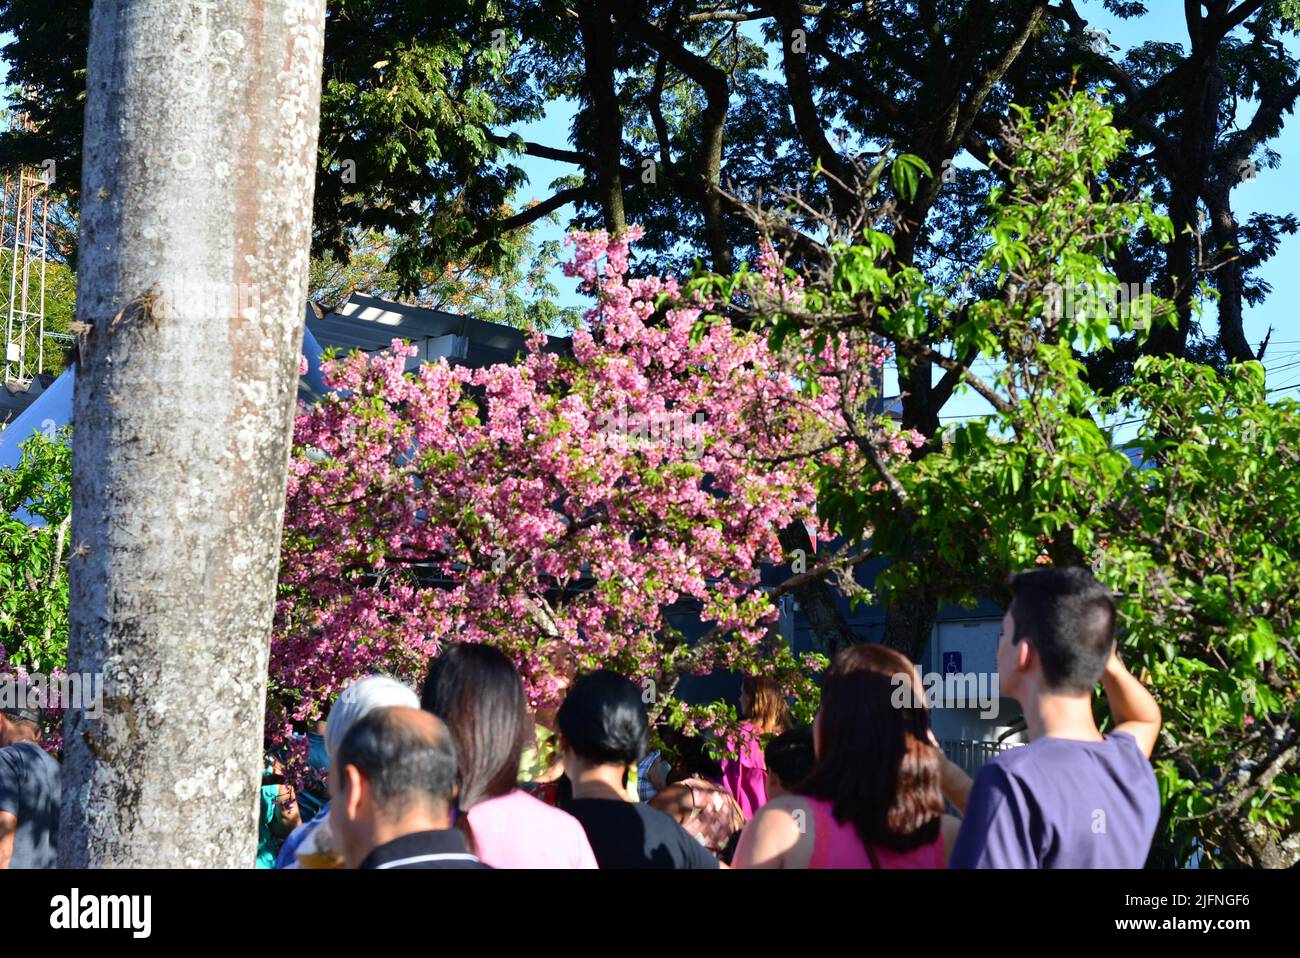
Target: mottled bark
200, 152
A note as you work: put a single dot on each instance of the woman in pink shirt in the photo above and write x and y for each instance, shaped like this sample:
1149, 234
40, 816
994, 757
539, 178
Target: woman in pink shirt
873, 798
745, 777
476, 690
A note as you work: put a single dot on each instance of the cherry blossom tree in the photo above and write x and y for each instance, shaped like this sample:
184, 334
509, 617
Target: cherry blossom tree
595, 500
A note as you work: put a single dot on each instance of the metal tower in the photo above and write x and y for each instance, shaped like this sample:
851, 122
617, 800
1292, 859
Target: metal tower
24, 220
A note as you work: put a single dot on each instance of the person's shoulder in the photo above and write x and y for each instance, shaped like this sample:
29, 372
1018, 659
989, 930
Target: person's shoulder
28, 753
1006, 770
578, 807
1041, 753
11, 764
1053, 757
444, 864
787, 803
519, 802
605, 814
1010, 759
657, 821
661, 828
784, 810
1125, 750
515, 799
653, 815
1125, 742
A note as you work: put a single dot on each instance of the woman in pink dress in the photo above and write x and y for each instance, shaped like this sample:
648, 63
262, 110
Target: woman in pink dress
763, 706
873, 799
476, 690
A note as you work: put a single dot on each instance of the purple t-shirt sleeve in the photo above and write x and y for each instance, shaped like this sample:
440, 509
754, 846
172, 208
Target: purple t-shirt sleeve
995, 831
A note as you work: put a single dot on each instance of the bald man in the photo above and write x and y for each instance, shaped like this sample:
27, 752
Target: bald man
392, 782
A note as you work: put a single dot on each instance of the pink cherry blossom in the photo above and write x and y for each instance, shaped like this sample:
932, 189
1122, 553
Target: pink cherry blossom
599, 500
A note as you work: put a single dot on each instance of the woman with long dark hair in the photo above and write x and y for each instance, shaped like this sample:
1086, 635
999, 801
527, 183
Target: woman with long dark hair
476, 690
873, 798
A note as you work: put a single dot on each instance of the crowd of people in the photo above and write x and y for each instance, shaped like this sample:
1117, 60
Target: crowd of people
464, 775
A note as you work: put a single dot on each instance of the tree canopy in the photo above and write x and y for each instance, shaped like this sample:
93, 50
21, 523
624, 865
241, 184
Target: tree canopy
968, 186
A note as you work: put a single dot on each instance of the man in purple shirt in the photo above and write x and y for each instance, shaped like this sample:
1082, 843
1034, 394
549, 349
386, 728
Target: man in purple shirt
1072, 798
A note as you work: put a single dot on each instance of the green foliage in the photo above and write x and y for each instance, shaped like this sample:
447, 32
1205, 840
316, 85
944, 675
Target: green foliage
33, 560
1196, 525
1286, 12
60, 304
1200, 542
1204, 546
906, 173
518, 292
1005, 492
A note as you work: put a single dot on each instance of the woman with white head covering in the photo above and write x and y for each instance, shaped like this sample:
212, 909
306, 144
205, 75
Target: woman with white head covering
310, 843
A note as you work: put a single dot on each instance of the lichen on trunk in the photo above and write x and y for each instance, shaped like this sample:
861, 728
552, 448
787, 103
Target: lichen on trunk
200, 146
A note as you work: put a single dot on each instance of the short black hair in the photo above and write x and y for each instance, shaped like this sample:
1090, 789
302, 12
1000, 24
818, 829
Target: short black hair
22, 718
790, 756
603, 719
690, 756
1069, 617
403, 764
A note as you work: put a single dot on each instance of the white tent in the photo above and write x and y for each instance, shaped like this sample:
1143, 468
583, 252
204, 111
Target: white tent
52, 409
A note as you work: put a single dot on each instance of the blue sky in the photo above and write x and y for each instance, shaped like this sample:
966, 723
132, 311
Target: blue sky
1275, 191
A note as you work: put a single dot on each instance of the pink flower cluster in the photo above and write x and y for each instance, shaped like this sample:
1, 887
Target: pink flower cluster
496, 505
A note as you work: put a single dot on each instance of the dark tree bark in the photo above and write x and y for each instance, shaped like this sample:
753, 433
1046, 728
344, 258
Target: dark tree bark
817, 599
717, 92
598, 44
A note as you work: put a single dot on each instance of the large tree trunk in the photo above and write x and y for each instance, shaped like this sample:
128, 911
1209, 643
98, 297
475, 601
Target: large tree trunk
200, 152
598, 46
1228, 273
910, 615
817, 600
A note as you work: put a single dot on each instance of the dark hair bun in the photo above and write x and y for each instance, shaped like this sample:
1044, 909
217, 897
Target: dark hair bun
603, 719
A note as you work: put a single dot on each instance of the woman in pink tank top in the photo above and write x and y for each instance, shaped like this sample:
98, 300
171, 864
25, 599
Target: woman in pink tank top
837, 845
477, 691
872, 799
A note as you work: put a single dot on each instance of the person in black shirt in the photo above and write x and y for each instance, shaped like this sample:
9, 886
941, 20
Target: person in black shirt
603, 731
391, 789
